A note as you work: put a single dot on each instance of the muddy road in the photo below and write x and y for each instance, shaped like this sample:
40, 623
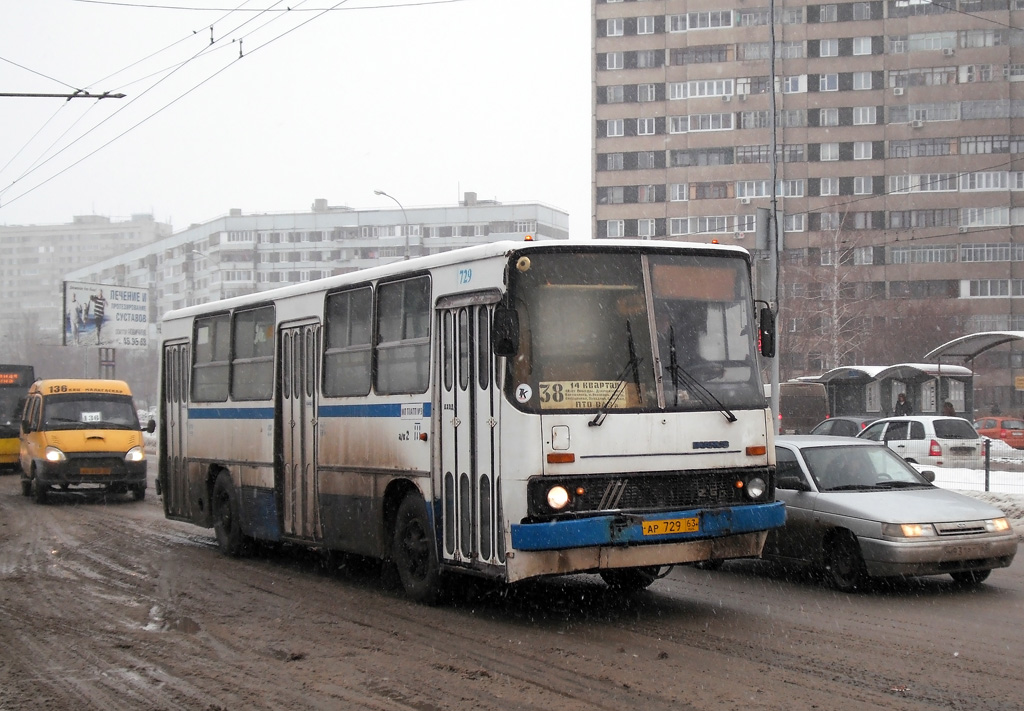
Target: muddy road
104, 604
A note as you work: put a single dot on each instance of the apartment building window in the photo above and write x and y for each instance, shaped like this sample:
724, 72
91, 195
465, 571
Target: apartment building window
616, 228
752, 17
646, 228
828, 47
645, 127
613, 161
792, 118
828, 117
861, 81
614, 195
614, 94
709, 191
791, 188
752, 154
613, 60
713, 19
613, 27
793, 153
862, 185
934, 182
862, 150
828, 82
790, 50
646, 193
646, 160
828, 221
863, 220
864, 115
701, 156
678, 124
755, 119
647, 58
678, 192
828, 13
863, 256
677, 23
645, 25
985, 216
615, 128
861, 46
989, 287
971, 145
987, 180
829, 152
794, 223
923, 255
678, 226
992, 252
711, 122
752, 188
861, 11
703, 54
677, 90
646, 92
752, 51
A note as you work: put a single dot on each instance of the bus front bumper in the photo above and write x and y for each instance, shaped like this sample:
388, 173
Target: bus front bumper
626, 541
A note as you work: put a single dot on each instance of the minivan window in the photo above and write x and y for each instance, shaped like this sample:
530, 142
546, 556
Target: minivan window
79, 411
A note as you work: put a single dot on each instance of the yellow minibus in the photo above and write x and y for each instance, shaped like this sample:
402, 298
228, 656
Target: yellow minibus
82, 433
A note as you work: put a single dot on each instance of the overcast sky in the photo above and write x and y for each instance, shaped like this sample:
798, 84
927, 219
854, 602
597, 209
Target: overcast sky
424, 100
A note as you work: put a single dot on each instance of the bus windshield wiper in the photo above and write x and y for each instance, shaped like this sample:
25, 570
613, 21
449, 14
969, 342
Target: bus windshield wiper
678, 373
632, 364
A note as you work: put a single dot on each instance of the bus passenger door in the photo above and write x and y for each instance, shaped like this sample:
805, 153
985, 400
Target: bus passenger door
297, 420
174, 486
470, 483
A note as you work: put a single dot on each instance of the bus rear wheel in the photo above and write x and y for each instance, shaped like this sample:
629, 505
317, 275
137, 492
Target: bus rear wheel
414, 553
227, 522
630, 579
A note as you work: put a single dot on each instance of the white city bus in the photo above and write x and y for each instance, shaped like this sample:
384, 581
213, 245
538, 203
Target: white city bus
510, 410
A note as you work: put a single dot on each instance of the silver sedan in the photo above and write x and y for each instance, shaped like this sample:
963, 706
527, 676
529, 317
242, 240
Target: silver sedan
856, 510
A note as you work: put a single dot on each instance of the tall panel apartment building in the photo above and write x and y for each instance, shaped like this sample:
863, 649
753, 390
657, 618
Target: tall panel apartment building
899, 134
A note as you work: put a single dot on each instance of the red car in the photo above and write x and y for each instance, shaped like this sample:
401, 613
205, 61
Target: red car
1008, 429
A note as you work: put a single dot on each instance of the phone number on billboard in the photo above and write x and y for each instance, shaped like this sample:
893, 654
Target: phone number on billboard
133, 341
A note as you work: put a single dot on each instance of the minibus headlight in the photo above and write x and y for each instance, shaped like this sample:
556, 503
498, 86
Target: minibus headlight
558, 497
53, 454
135, 454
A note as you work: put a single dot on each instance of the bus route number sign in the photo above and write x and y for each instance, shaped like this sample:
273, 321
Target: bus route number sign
582, 394
671, 525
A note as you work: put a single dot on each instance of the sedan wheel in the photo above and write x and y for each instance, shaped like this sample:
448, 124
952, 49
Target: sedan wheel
844, 565
970, 577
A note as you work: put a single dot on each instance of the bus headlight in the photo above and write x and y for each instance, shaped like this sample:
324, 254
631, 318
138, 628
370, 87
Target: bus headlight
52, 454
558, 497
755, 488
135, 454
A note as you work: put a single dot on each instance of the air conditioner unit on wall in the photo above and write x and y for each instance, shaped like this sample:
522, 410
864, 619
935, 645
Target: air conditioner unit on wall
898, 91
916, 123
948, 52
727, 99
743, 97
744, 201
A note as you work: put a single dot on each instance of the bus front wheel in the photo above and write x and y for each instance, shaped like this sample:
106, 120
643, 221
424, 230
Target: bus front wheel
630, 579
227, 522
414, 553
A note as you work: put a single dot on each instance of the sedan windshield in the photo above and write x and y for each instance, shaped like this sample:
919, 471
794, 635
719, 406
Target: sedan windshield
845, 468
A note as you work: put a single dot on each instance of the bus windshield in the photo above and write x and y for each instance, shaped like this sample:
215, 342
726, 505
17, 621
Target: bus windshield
644, 332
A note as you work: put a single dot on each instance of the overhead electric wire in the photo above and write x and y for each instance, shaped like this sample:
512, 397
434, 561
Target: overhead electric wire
205, 49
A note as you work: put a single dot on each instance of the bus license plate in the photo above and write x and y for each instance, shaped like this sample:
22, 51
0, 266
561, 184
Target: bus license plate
671, 525
94, 470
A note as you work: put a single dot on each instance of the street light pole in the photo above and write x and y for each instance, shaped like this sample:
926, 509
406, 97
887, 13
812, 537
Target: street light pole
404, 217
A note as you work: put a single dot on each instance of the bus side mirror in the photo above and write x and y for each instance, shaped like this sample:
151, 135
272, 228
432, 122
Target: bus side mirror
26, 426
505, 332
151, 426
766, 332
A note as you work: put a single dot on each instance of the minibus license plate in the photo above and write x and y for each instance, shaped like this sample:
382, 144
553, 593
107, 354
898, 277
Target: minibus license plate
94, 470
671, 525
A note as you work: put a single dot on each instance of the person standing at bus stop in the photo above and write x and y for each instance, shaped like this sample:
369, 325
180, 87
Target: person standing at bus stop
903, 406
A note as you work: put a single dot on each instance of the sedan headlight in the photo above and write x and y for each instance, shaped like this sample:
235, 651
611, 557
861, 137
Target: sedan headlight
908, 530
135, 454
997, 525
53, 454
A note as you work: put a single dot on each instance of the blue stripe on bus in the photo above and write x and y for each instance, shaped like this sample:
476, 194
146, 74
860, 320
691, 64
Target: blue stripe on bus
231, 413
610, 531
388, 409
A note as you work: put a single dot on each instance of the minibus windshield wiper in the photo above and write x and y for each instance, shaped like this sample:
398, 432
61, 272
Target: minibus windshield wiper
634, 365
678, 373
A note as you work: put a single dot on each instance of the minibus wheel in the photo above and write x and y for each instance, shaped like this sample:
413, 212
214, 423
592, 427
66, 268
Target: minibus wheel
414, 553
39, 491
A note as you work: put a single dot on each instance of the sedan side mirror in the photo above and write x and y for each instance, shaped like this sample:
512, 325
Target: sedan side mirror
794, 482
929, 475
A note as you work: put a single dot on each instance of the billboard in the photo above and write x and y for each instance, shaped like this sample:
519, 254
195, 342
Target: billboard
104, 315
